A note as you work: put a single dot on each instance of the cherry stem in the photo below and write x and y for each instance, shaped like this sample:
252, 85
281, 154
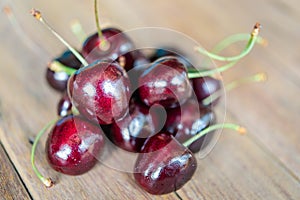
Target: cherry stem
46, 181
236, 38
57, 66
259, 77
246, 50
37, 14
197, 74
235, 127
103, 42
192, 73
233, 39
78, 30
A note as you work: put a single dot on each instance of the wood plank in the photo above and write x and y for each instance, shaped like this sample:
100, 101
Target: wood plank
11, 187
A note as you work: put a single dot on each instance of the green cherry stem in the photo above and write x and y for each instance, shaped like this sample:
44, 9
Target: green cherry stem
235, 127
247, 49
57, 66
104, 44
259, 77
46, 181
194, 73
37, 14
233, 39
197, 74
237, 38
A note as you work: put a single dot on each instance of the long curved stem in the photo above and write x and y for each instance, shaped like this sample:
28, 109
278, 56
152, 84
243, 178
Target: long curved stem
236, 38
192, 73
247, 49
197, 74
46, 181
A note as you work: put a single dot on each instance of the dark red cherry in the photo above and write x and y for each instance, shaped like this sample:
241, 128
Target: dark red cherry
73, 145
165, 82
164, 165
59, 80
100, 91
64, 106
204, 87
131, 132
186, 121
117, 44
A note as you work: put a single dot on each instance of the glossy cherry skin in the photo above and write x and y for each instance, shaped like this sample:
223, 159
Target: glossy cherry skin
119, 45
189, 119
165, 82
131, 132
59, 80
73, 145
64, 106
100, 91
164, 165
204, 87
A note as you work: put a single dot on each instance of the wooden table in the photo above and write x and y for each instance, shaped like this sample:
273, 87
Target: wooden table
264, 164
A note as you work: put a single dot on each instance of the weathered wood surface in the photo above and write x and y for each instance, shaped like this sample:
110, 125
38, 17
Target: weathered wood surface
11, 187
265, 164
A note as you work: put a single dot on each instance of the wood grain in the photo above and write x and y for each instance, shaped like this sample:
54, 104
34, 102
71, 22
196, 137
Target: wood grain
264, 164
11, 187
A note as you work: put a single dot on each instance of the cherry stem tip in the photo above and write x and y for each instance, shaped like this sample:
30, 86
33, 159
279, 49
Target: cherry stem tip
36, 14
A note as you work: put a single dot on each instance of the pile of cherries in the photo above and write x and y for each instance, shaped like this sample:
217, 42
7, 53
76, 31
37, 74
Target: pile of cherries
111, 90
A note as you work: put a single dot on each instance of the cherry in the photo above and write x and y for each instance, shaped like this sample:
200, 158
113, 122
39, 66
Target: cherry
73, 145
130, 132
109, 43
59, 79
100, 91
164, 165
64, 106
189, 119
165, 82
205, 86
118, 45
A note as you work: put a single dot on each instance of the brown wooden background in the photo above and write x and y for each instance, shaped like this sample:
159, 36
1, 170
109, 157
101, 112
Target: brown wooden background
264, 164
